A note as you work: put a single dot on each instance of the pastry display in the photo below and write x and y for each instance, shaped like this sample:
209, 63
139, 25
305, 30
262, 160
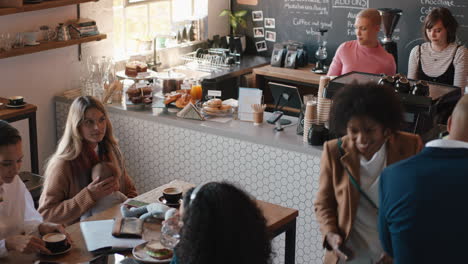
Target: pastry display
216, 107
140, 95
132, 68
180, 97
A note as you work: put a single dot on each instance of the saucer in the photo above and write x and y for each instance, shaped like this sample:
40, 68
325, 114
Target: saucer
32, 44
15, 106
58, 253
175, 205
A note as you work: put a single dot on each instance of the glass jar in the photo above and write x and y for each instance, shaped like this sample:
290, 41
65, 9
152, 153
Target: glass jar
170, 232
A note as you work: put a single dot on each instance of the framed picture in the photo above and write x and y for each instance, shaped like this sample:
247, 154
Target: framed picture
269, 23
270, 36
259, 32
257, 15
261, 46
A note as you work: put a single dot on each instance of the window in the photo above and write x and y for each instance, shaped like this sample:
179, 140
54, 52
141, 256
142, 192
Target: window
137, 22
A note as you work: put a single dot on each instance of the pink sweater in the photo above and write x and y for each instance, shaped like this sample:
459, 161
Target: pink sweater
350, 56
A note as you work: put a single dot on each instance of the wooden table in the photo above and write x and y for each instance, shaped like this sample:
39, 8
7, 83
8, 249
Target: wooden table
306, 81
279, 219
296, 76
15, 114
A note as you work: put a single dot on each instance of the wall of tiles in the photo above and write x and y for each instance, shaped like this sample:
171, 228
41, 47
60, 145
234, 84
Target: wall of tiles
156, 154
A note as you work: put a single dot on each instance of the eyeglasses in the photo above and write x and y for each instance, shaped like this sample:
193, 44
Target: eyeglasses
89, 123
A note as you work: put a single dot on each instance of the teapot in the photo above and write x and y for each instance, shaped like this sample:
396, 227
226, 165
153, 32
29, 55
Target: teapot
420, 88
402, 85
63, 34
386, 80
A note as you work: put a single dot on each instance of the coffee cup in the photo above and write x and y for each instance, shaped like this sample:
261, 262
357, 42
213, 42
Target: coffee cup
258, 118
55, 242
172, 195
30, 38
16, 100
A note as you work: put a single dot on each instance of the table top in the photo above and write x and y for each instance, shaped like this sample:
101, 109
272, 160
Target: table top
7, 113
276, 217
303, 74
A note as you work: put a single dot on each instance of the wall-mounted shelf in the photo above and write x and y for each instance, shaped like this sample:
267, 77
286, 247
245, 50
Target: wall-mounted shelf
40, 6
48, 46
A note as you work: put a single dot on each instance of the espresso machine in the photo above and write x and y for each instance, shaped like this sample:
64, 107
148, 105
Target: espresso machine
390, 17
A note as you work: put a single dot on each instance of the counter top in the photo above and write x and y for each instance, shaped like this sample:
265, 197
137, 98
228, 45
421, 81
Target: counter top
242, 130
248, 62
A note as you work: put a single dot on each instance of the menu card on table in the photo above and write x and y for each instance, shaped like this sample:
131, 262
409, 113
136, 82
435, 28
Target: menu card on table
248, 97
98, 237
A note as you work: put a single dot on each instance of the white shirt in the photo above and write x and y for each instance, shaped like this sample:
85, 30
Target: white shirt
447, 143
17, 212
364, 237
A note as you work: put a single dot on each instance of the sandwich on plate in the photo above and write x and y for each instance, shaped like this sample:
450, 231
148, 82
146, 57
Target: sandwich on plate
155, 250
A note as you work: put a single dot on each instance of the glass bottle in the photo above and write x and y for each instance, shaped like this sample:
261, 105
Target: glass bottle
196, 91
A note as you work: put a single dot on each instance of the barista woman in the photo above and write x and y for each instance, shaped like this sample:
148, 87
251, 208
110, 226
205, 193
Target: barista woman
440, 59
88, 139
347, 201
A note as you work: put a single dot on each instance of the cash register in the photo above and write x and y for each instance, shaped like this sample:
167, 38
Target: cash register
420, 111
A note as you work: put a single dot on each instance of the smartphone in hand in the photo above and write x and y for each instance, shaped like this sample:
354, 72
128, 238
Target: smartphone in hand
344, 253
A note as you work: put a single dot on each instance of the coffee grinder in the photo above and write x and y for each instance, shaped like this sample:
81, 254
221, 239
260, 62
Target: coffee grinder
321, 53
390, 17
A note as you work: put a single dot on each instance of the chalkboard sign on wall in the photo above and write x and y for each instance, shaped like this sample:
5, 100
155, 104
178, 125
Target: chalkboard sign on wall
300, 20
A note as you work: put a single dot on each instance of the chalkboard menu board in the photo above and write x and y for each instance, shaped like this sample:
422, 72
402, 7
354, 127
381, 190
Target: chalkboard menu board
300, 20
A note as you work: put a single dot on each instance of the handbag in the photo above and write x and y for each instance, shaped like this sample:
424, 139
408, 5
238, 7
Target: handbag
351, 178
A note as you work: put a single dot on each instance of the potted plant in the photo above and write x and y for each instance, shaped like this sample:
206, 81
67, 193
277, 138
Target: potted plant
236, 20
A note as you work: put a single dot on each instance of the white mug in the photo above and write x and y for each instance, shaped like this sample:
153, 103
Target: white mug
30, 38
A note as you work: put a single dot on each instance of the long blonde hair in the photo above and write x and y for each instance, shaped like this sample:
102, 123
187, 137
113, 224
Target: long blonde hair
71, 143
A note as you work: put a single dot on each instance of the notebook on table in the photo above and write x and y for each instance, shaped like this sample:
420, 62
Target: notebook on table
98, 237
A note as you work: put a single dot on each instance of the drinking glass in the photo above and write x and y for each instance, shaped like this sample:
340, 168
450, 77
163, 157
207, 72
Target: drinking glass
170, 232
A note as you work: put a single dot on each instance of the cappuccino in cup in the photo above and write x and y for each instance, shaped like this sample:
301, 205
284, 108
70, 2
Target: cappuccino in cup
172, 195
55, 242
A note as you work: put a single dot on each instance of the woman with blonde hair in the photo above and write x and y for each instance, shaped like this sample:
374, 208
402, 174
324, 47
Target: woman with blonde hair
69, 190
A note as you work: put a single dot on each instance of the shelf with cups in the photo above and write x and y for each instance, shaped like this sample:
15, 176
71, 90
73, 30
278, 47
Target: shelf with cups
39, 6
42, 46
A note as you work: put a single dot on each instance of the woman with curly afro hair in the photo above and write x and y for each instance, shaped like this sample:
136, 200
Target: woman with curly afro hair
346, 205
222, 224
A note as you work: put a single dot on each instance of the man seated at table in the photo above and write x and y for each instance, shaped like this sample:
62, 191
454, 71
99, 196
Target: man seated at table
20, 223
422, 215
365, 54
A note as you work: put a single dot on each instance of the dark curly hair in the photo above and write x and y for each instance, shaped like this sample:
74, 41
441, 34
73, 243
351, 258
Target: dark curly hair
377, 102
444, 15
8, 134
223, 225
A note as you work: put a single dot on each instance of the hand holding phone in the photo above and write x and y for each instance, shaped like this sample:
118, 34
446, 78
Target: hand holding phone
336, 243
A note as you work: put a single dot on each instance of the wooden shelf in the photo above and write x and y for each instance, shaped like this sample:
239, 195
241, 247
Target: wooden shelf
48, 46
40, 6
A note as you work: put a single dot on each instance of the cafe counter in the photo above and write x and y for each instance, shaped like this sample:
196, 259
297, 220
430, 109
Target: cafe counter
273, 166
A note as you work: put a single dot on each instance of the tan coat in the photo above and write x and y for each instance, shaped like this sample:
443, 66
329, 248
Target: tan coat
65, 196
337, 199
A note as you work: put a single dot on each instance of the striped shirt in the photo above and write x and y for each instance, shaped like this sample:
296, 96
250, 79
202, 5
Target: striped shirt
435, 63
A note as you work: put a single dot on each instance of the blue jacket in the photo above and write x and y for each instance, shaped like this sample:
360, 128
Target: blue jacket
423, 215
